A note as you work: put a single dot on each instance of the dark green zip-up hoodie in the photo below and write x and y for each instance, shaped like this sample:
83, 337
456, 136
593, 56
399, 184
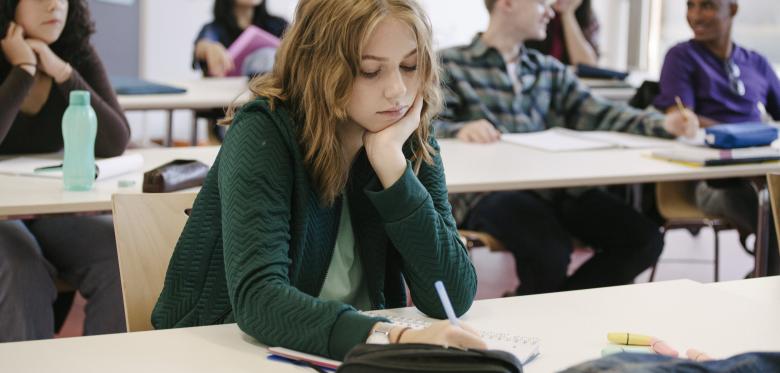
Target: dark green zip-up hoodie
258, 244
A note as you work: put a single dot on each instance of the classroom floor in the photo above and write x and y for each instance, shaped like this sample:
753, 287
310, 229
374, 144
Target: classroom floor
684, 256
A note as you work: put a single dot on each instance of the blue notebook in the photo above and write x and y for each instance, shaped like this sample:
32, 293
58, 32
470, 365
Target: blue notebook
126, 85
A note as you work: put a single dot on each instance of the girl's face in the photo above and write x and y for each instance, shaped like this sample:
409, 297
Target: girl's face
42, 19
388, 80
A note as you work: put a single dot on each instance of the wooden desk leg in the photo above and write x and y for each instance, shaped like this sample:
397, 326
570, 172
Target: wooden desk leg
169, 135
762, 230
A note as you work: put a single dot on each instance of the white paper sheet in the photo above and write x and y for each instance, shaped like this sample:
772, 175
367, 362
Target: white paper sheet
105, 168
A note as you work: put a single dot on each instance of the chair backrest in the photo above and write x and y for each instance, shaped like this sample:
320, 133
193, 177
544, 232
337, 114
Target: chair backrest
675, 201
774, 196
474, 239
645, 95
147, 227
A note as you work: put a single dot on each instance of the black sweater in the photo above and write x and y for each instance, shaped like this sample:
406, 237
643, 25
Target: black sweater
42, 132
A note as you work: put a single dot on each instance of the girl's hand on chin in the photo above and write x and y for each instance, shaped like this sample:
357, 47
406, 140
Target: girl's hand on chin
49, 62
384, 148
394, 136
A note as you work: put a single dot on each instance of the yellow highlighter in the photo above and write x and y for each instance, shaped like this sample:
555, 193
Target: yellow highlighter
630, 339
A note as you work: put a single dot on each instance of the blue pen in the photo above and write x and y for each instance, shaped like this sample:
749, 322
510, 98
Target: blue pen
445, 302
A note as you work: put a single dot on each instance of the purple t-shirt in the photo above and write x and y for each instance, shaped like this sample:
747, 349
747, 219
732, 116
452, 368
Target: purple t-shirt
700, 78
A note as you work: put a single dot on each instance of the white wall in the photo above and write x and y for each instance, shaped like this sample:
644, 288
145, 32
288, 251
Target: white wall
613, 20
168, 30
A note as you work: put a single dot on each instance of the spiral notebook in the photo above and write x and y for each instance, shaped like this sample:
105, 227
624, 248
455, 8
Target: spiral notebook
525, 348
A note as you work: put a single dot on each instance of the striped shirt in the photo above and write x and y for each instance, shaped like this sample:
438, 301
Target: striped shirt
478, 86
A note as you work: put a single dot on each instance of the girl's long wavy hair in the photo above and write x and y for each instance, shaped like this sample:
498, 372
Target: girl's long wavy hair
316, 65
72, 44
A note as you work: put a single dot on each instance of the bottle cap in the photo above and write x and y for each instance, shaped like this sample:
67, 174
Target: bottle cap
79, 97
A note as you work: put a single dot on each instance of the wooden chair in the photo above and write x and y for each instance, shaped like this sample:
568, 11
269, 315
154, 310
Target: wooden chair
481, 239
147, 227
675, 199
676, 204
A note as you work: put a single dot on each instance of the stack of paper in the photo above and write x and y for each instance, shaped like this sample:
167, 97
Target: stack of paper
718, 157
563, 140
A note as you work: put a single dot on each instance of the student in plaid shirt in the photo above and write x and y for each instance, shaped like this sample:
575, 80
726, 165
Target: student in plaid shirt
496, 85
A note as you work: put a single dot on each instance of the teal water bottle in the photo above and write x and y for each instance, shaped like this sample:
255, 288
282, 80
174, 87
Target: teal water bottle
79, 127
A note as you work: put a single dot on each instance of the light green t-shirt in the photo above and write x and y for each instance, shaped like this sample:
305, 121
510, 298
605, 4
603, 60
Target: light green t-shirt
344, 281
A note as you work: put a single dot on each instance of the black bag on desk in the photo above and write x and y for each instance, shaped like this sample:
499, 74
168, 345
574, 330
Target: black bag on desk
409, 357
175, 175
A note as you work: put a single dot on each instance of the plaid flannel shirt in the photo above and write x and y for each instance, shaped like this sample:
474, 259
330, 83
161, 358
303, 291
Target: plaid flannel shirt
478, 86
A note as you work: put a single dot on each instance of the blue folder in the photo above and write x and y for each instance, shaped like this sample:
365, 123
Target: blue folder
126, 85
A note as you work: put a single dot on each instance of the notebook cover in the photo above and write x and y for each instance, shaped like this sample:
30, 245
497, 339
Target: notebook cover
125, 85
252, 39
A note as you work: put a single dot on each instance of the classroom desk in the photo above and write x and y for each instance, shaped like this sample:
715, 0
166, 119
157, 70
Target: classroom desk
505, 166
206, 93
468, 168
614, 90
619, 91
572, 327
764, 289
26, 196
202, 94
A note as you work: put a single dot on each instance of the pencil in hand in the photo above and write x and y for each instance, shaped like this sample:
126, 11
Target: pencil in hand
681, 107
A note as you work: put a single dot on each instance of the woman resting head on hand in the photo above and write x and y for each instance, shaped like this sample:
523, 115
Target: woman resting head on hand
329, 194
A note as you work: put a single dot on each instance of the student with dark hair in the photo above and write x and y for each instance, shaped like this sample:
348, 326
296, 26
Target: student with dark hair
46, 54
231, 18
722, 82
572, 35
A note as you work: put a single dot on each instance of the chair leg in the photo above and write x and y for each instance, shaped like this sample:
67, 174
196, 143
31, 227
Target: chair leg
652, 272
717, 254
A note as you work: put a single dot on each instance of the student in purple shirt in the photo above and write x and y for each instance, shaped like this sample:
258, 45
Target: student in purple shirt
722, 83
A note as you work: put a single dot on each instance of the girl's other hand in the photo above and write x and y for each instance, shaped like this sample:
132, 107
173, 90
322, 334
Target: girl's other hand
16, 50
445, 334
49, 62
218, 60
